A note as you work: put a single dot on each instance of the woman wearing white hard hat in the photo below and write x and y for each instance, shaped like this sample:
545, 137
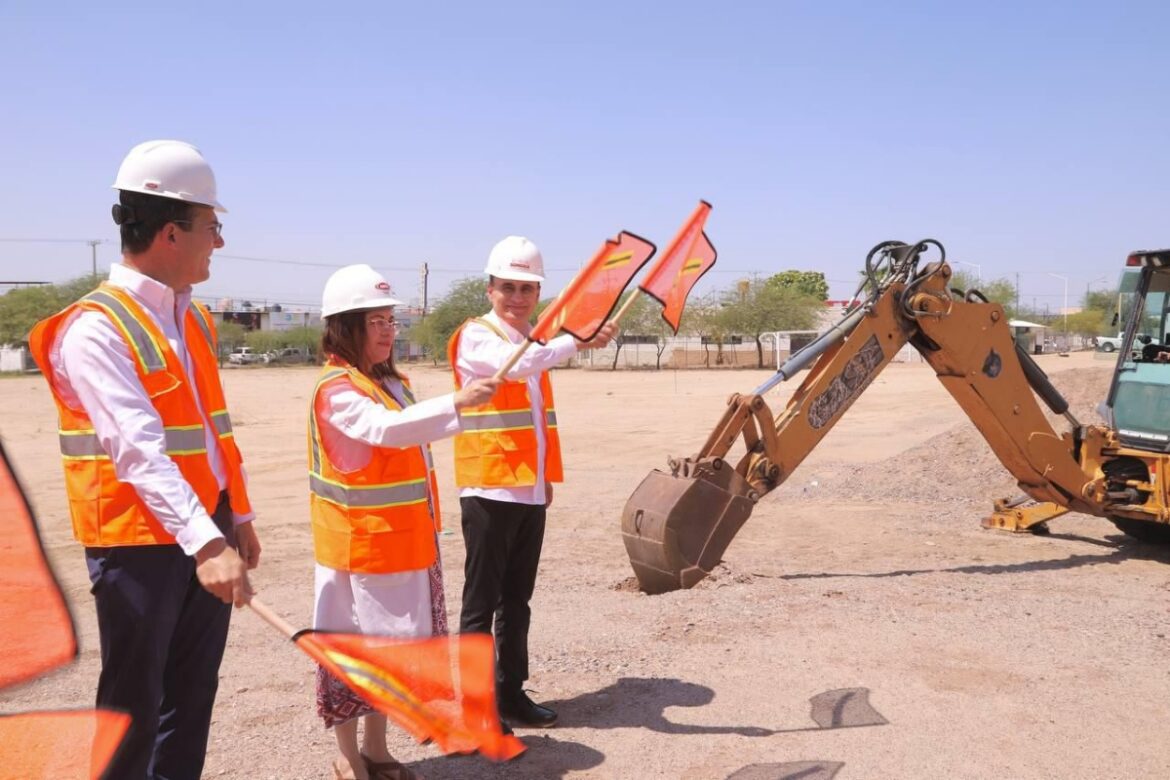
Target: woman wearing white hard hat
373, 500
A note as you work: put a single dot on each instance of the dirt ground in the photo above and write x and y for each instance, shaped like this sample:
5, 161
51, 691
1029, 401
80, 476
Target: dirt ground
865, 578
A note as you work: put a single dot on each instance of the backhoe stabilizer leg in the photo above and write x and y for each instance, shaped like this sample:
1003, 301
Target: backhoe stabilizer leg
676, 528
1023, 516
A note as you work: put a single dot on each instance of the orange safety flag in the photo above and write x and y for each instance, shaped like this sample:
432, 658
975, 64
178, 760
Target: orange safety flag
53, 745
440, 689
39, 636
38, 633
586, 303
685, 260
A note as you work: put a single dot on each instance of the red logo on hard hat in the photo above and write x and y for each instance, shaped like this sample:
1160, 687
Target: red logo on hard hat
383, 286
151, 185
518, 264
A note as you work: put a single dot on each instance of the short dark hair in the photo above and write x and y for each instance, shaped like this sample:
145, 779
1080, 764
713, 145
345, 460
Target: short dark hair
345, 337
145, 215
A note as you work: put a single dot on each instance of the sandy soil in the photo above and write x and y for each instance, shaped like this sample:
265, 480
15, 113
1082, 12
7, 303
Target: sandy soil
981, 654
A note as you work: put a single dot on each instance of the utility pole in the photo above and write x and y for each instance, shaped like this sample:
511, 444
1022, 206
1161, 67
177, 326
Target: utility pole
424, 273
1065, 280
93, 245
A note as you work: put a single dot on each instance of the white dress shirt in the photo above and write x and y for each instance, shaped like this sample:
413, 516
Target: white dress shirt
93, 368
354, 423
482, 354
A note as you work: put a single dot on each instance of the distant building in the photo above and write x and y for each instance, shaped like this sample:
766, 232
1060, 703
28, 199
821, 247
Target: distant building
279, 317
14, 359
265, 316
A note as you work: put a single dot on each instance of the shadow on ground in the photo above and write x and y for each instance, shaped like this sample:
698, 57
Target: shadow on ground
791, 770
1123, 549
546, 757
641, 702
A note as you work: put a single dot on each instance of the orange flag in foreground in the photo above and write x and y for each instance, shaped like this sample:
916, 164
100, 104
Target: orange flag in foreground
72, 745
586, 303
689, 256
38, 633
440, 689
38, 636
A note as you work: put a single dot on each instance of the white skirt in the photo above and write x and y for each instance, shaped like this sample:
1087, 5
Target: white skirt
397, 605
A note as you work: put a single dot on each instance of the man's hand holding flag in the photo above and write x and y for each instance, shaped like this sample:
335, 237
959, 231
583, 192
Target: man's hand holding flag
585, 304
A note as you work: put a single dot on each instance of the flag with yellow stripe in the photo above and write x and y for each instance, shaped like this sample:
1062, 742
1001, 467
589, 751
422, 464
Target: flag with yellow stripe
688, 256
587, 302
440, 689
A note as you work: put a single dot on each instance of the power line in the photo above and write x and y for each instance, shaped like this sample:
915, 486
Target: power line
91, 241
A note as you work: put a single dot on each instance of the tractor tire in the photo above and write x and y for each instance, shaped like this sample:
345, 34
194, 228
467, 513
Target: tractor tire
1153, 533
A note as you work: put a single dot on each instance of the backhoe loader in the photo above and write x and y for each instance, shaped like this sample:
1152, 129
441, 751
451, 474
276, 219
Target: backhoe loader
677, 525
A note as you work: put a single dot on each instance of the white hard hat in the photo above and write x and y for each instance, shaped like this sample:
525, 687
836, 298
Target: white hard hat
355, 288
169, 169
516, 258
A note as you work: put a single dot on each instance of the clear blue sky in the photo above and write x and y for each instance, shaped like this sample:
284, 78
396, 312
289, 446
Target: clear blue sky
1027, 137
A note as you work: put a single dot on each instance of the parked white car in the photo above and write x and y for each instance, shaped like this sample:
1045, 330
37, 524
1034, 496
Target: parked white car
242, 356
1112, 344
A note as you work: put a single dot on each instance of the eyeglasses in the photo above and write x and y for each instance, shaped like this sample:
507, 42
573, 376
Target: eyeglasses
216, 227
382, 323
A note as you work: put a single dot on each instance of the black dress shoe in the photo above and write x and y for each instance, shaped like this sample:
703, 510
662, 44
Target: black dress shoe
519, 710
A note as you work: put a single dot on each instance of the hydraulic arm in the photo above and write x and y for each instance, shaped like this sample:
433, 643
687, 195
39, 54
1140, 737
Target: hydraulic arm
677, 525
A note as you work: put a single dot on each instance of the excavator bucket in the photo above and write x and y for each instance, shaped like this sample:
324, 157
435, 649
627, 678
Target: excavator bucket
676, 528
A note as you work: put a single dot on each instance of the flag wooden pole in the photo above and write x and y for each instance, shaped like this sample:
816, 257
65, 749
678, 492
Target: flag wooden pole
513, 360
528, 342
626, 306
273, 619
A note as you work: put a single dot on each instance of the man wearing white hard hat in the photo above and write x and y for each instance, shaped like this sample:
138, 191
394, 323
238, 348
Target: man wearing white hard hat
373, 501
156, 487
506, 461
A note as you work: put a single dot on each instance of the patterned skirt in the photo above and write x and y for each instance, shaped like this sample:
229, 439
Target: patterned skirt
336, 702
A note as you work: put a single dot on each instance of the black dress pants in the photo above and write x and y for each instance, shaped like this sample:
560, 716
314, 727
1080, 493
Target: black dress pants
162, 640
503, 542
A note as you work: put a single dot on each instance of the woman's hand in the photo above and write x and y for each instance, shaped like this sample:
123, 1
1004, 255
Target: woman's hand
476, 392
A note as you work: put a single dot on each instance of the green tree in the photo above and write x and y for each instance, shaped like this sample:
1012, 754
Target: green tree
808, 283
702, 318
465, 299
230, 335
23, 307
1087, 322
1001, 291
755, 308
262, 341
1103, 300
642, 324
305, 337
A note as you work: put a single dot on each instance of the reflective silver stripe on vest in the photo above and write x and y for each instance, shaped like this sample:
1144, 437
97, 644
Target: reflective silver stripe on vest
551, 418
186, 440
203, 326
314, 450
412, 492
497, 421
222, 422
149, 352
81, 445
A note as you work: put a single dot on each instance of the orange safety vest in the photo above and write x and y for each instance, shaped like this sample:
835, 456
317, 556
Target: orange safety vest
497, 447
378, 519
109, 513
